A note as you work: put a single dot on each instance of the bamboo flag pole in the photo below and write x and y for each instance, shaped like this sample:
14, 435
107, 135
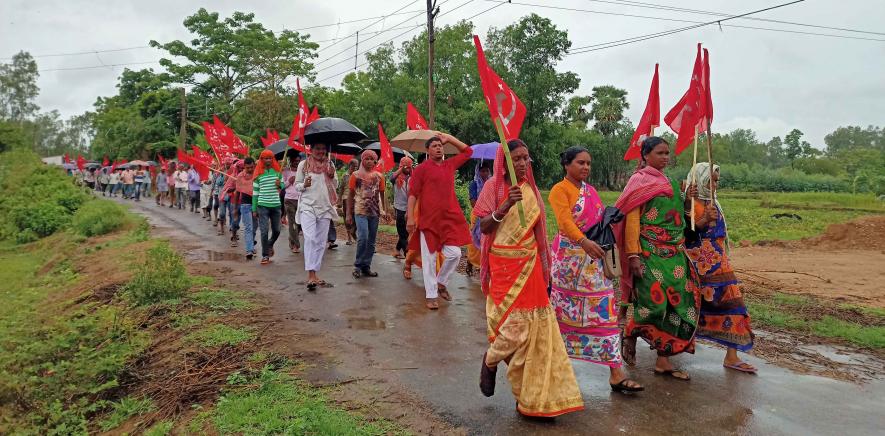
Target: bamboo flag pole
509, 160
710, 159
693, 176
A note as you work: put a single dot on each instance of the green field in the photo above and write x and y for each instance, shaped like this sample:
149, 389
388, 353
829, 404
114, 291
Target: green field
749, 214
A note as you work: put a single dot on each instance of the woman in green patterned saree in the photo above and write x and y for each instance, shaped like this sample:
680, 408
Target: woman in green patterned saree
658, 280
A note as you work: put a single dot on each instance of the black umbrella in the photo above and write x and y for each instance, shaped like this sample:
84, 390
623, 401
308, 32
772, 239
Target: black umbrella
279, 147
348, 149
332, 131
398, 153
92, 165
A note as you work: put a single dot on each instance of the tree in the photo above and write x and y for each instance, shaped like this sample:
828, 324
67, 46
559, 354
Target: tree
228, 57
608, 106
18, 88
850, 137
794, 147
775, 154
525, 55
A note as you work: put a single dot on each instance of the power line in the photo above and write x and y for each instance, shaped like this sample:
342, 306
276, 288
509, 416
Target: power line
347, 49
382, 18
610, 44
92, 67
723, 14
677, 20
401, 34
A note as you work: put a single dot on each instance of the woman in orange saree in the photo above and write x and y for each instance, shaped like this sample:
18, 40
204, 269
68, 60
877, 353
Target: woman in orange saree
515, 272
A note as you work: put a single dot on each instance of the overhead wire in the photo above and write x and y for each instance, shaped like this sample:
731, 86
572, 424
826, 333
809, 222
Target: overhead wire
678, 20
397, 36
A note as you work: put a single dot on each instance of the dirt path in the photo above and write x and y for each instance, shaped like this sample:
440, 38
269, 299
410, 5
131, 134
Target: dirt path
387, 355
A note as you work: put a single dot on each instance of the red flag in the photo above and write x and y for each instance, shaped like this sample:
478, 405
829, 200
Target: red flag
163, 162
688, 114
66, 159
386, 161
346, 158
216, 138
201, 160
105, 162
314, 115
124, 161
300, 121
183, 157
269, 139
81, 162
114, 165
227, 136
414, 120
502, 101
708, 98
651, 118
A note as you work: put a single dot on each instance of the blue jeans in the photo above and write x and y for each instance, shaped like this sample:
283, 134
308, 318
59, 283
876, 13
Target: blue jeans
268, 217
248, 232
234, 218
366, 230
128, 190
138, 190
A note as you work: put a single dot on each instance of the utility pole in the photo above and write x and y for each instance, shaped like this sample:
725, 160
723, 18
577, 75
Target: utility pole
182, 132
356, 51
432, 11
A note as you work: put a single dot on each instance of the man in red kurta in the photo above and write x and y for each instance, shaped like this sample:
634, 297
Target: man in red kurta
441, 222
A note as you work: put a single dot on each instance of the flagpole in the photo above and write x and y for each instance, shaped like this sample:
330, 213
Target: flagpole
710, 159
693, 176
510, 170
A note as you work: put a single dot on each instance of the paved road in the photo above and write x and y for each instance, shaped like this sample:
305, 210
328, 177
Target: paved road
380, 326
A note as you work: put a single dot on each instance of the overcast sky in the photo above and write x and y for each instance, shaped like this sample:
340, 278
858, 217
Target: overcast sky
767, 81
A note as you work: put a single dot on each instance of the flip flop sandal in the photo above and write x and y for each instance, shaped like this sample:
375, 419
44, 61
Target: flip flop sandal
622, 386
311, 286
323, 284
357, 273
672, 373
265, 260
742, 367
432, 304
369, 273
407, 274
444, 294
249, 256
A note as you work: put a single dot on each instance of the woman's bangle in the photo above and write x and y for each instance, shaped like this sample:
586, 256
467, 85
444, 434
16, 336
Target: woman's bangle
496, 218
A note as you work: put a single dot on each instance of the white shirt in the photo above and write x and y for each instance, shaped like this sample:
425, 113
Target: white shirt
180, 179
315, 199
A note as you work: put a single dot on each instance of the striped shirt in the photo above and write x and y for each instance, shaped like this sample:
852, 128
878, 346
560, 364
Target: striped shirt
265, 192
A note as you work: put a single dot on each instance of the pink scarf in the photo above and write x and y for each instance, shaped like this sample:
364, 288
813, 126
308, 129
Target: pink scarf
493, 194
644, 184
320, 166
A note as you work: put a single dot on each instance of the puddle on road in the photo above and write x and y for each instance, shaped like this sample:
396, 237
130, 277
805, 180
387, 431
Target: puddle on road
366, 323
222, 256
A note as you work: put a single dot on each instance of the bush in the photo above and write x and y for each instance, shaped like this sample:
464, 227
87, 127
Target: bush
162, 276
99, 217
743, 177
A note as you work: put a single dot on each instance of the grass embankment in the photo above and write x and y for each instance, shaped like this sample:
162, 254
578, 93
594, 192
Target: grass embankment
857, 325
103, 329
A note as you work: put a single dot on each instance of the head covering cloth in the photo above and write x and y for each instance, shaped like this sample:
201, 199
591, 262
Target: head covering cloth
259, 166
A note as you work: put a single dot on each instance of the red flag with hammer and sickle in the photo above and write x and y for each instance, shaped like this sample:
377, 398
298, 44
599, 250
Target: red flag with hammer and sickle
502, 101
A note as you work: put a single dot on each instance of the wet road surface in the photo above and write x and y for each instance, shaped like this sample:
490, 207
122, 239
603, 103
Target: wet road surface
378, 327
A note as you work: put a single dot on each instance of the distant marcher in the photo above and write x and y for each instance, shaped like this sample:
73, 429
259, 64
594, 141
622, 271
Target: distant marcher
114, 182
266, 204
317, 181
400, 181
128, 183
217, 183
146, 184
162, 187
290, 200
243, 201
139, 176
724, 317
181, 179
343, 193
582, 296
193, 189
480, 175
658, 278
89, 178
103, 181
442, 227
365, 205
170, 180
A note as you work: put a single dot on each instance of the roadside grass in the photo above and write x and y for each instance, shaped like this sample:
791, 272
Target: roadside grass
81, 316
274, 402
804, 314
215, 335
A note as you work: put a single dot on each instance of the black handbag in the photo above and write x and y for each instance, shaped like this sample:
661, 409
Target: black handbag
603, 235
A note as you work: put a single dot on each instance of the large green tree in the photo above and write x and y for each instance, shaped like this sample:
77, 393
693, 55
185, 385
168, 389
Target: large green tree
230, 56
18, 88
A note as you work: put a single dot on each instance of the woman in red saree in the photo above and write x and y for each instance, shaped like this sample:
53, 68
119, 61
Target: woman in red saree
515, 272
